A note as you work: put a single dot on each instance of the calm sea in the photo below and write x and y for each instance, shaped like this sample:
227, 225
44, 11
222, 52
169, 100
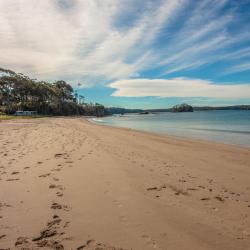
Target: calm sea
226, 126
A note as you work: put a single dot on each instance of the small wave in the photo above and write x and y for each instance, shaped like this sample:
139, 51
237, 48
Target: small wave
97, 120
222, 130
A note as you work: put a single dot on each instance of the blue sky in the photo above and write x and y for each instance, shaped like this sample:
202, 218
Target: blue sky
133, 53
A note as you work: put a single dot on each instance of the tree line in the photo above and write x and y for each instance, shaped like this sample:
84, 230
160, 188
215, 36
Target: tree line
18, 92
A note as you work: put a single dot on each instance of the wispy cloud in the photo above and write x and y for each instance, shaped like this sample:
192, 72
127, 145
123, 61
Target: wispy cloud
78, 39
206, 37
178, 87
239, 68
97, 42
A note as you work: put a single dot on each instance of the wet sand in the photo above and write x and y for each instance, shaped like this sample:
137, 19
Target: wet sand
66, 183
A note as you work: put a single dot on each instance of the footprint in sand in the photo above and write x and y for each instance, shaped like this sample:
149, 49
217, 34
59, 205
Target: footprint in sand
45, 234
59, 194
22, 242
56, 205
94, 245
205, 199
66, 224
55, 222
52, 186
123, 219
56, 169
117, 203
152, 188
16, 179
15, 172
219, 198
59, 155
182, 180
2, 236
178, 191
44, 175
149, 240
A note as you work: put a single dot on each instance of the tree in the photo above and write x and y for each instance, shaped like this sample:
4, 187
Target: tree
19, 92
182, 108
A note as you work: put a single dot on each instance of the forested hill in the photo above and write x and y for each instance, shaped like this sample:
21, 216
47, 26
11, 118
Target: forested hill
234, 107
114, 110
19, 92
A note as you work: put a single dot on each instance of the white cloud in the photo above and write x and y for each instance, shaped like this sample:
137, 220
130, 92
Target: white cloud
178, 87
80, 40
206, 37
239, 68
48, 40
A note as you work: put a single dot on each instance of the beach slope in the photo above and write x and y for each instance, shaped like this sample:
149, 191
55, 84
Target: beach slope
66, 183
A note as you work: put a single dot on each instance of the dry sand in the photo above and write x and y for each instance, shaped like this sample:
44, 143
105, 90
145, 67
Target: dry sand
68, 184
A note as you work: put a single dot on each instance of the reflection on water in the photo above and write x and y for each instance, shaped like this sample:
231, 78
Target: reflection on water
227, 126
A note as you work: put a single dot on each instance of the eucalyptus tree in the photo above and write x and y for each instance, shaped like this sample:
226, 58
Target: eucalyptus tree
19, 92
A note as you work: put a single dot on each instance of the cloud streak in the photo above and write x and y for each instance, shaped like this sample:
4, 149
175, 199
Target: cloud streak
239, 68
56, 39
178, 87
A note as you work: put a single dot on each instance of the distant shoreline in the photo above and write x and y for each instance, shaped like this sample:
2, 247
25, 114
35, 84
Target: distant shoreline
116, 110
213, 127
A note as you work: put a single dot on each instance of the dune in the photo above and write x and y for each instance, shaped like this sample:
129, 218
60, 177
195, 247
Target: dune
66, 183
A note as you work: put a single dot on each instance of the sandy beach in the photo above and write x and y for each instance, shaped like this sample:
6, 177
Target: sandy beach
66, 183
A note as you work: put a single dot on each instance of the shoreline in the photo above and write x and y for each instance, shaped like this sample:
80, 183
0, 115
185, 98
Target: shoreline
85, 186
171, 136
230, 127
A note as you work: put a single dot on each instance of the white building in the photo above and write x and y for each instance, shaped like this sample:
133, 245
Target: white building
25, 113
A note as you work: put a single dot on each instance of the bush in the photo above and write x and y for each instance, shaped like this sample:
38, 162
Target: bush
182, 108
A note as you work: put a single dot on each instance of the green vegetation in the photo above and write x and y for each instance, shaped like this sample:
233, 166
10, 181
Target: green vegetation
19, 92
182, 108
9, 117
115, 110
235, 107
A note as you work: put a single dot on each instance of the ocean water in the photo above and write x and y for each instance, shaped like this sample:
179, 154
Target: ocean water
226, 126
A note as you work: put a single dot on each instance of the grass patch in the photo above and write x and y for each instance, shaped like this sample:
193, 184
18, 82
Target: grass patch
11, 117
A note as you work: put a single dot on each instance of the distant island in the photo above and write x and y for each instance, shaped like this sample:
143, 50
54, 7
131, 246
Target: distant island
182, 108
115, 110
176, 109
